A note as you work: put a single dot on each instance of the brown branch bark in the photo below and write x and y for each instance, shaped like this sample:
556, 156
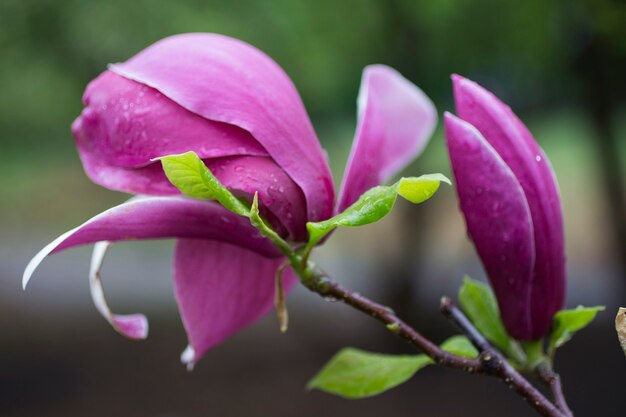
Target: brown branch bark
495, 364
489, 362
547, 375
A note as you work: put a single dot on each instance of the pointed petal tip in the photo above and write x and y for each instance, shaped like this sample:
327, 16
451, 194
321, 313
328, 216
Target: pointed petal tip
394, 124
454, 125
462, 86
458, 80
188, 357
133, 326
39, 257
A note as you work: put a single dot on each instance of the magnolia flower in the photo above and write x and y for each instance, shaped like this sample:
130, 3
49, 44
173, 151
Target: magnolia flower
236, 108
510, 199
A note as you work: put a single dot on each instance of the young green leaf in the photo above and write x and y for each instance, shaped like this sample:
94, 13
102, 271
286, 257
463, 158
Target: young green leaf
479, 303
266, 231
376, 203
187, 172
568, 322
460, 345
353, 373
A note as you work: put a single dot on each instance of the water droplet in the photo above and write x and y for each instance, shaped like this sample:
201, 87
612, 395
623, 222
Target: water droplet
225, 219
538, 158
281, 189
238, 168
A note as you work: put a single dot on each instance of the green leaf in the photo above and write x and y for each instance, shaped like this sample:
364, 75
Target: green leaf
354, 373
460, 345
568, 322
479, 303
189, 174
376, 203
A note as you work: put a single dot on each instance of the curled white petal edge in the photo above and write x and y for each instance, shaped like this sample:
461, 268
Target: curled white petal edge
37, 259
40, 256
133, 326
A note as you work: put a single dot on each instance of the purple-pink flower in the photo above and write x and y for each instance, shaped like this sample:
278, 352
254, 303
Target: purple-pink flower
236, 108
510, 199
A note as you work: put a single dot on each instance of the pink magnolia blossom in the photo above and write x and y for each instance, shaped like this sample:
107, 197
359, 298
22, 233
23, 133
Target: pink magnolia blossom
237, 109
510, 199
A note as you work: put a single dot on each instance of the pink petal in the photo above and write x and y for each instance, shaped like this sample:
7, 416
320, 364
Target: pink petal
277, 192
514, 143
229, 81
498, 221
221, 288
125, 124
160, 217
133, 326
244, 175
395, 122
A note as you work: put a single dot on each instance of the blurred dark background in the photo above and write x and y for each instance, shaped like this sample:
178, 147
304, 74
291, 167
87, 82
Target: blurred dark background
559, 64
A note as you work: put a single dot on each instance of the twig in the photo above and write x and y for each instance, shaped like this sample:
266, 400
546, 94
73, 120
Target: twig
546, 374
495, 364
489, 362
328, 288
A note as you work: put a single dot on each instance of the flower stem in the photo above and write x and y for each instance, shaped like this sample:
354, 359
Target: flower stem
546, 374
496, 365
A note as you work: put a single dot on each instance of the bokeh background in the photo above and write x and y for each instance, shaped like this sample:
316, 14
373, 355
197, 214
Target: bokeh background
559, 64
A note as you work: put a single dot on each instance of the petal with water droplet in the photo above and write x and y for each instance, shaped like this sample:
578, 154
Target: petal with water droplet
226, 80
509, 264
519, 150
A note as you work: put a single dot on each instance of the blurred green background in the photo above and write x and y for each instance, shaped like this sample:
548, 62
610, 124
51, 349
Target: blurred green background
559, 64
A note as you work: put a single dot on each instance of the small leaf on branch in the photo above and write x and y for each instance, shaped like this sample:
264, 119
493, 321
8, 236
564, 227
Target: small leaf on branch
188, 173
480, 305
460, 345
568, 322
354, 373
376, 203
620, 326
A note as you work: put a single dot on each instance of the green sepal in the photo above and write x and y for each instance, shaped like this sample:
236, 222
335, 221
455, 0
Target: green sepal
480, 305
187, 172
